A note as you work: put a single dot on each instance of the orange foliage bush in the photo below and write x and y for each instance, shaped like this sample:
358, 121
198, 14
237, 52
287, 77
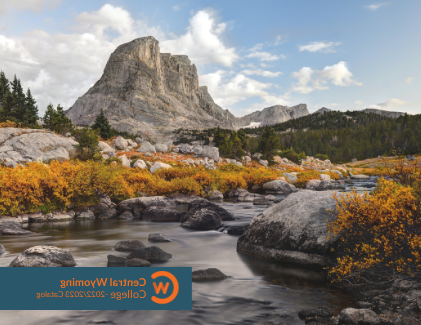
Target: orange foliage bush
54, 186
304, 177
380, 233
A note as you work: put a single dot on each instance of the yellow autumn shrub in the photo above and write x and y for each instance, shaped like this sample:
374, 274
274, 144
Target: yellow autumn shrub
304, 177
380, 233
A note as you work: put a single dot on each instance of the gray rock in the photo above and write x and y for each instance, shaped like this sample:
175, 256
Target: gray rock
146, 147
261, 201
360, 176
36, 218
125, 161
263, 162
36, 145
203, 219
121, 143
85, 215
185, 148
323, 312
138, 140
197, 150
159, 165
128, 245
160, 214
325, 177
279, 187
290, 177
159, 147
6, 148
215, 195
158, 238
293, 231
136, 205
236, 230
210, 152
211, 274
408, 158
180, 198
108, 214
351, 316
44, 256
2, 250
126, 215
105, 147
139, 164
319, 185
151, 254
270, 198
205, 204
116, 261
57, 217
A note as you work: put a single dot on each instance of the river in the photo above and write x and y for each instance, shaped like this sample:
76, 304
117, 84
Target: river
256, 292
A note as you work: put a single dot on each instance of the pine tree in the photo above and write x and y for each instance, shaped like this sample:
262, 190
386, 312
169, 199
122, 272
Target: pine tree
88, 144
242, 135
268, 143
102, 124
31, 110
56, 120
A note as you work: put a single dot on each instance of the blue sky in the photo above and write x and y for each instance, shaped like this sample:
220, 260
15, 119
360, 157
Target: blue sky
251, 54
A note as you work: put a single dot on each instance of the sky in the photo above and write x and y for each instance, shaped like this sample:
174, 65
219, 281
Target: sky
340, 54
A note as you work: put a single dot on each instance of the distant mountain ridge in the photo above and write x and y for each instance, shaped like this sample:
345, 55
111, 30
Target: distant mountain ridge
152, 94
383, 112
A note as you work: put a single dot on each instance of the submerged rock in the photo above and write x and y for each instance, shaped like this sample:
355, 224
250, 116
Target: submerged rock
158, 238
160, 214
201, 204
126, 215
323, 312
211, 274
236, 230
128, 245
44, 256
117, 261
293, 231
15, 232
152, 254
261, 201
203, 219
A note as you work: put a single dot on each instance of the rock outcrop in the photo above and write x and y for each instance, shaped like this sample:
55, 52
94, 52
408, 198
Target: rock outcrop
152, 94
383, 112
293, 231
26, 145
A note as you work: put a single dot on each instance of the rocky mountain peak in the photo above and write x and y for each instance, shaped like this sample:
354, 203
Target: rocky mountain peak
146, 92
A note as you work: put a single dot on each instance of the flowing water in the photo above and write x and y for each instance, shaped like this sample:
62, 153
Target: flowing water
256, 292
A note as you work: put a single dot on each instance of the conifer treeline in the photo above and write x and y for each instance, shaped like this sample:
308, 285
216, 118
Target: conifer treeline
15, 105
344, 136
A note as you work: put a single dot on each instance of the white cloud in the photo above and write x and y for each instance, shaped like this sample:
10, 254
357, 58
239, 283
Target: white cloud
263, 56
376, 6
388, 104
228, 90
309, 80
202, 42
409, 80
33, 5
262, 73
325, 47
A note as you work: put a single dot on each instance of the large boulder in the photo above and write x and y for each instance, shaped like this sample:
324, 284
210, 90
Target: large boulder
125, 161
24, 145
279, 187
128, 245
158, 238
11, 226
43, 256
205, 204
146, 147
185, 148
121, 143
105, 147
108, 214
290, 177
160, 214
151, 254
138, 204
293, 231
203, 219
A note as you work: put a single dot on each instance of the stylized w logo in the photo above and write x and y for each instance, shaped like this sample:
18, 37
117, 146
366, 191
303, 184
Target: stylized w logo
160, 287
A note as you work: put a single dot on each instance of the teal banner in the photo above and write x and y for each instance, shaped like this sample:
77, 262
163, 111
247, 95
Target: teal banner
96, 288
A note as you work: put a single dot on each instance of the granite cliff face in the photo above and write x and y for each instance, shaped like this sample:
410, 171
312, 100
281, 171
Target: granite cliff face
383, 112
149, 93
272, 115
